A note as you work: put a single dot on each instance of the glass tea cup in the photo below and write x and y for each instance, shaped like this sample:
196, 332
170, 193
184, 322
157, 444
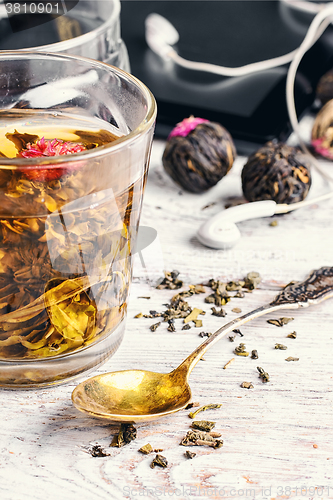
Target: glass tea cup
68, 221
89, 28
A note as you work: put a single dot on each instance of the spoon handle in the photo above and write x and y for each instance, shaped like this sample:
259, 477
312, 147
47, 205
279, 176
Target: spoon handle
189, 363
318, 286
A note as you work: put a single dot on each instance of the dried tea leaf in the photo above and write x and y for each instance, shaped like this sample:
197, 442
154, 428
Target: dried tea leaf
290, 358
189, 454
171, 327
159, 460
154, 327
292, 335
247, 385
229, 363
170, 281
237, 330
205, 334
201, 438
127, 433
280, 321
254, 354
221, 313
274, 223
146, 449
241, 350
236, 310
198, 323
203, 425
139, 315
252, 280
193, 315
281, 347
262, 374
192, 405
186, 327
203, 408
97, 451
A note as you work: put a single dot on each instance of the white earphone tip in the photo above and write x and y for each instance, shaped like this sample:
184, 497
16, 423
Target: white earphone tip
162, 28
220, 236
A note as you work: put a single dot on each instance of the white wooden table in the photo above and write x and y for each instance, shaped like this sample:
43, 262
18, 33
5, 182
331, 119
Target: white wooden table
278, 436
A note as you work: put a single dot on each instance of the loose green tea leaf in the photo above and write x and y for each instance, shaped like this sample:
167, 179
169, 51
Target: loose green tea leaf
97, 451
202, 438
279, 322
252, 280
281, 347
205, 334
139, 315
221, 313
236, 310
262, 374
254, 354
292, 335
189, 454
290, 358
203, 425
146, 449
241, 350
159, 461
186, 327
247, 385
127, 433
274, 223
193, 316
203, 408
170, 281
154, 327
229, 363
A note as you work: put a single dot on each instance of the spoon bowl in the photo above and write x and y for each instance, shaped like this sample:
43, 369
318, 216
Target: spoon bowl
140, 395
136, 395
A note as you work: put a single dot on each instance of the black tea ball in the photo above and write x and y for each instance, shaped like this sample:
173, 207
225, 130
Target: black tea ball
198, 154
276, 172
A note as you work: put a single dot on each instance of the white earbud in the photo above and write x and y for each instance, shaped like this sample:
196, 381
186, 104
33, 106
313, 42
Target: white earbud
160, 35
221, 231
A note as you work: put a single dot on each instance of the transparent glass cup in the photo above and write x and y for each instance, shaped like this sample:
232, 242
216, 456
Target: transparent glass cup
68, 222
89, 28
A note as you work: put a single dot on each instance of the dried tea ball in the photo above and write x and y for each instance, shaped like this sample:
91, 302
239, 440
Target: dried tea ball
322, 131
198, 154
276, 172
324, 90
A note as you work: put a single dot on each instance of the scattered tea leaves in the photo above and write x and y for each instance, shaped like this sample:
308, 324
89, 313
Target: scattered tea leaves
205, 334
262, 374
254, 354
290, 358
146, 449
193, 316
170, 281
252, 280
97, 451
282, 347
159, 461
238, 332
204, 408
221, 313
247, 385
189, 454
139, 315
154, 327
202, 438
127, 433
241, 350
203, 425
229, 363
292, 335
279, 322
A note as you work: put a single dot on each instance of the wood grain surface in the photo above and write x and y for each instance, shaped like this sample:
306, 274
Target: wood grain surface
278, 436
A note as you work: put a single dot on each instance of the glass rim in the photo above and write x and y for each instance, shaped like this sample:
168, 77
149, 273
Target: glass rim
78, 40
111, 147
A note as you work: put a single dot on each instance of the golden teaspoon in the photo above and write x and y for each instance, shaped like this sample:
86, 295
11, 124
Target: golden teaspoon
140, 395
